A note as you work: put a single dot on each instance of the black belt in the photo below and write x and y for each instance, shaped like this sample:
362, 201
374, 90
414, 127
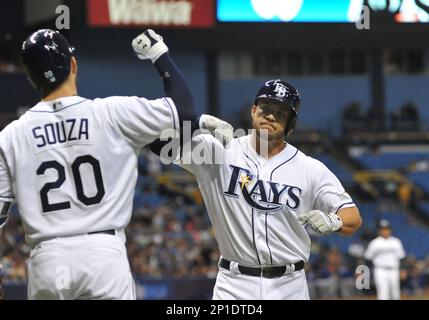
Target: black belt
266, 272
111, 231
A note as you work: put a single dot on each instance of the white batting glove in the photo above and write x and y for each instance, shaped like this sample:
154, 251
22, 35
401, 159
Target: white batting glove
221, 130
149, 45
321, 222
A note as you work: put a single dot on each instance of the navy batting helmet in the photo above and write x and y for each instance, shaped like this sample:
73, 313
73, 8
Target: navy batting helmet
383, 223
284, 93
46, 57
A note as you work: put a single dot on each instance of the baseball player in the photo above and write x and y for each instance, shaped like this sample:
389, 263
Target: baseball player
385, 252
70, 163
260, 202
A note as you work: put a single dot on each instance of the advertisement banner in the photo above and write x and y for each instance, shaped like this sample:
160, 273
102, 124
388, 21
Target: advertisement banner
157, 13
319, 11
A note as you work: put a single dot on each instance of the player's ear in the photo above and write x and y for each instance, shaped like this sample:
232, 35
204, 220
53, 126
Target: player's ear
73, 65
253, 111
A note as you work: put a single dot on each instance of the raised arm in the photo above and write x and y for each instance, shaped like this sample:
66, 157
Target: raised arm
150, 45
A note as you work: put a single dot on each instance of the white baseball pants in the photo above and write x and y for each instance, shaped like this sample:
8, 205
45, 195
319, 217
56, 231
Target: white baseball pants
236, 286
91, 266
387, 283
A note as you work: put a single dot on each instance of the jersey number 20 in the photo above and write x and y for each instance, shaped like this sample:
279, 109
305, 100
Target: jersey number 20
95, 164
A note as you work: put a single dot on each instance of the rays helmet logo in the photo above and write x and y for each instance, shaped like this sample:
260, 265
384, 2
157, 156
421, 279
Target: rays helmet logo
279, 88
281, 91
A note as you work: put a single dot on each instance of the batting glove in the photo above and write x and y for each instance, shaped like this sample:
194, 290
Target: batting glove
221, 130
149, 45
321, 222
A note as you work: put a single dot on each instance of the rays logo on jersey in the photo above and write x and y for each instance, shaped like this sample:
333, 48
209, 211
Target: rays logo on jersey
259, 194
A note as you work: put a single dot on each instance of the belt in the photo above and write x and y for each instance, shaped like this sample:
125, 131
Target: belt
111, 232
266, 272
386, 268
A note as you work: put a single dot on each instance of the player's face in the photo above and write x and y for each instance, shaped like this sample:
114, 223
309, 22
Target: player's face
385, 232
271, 116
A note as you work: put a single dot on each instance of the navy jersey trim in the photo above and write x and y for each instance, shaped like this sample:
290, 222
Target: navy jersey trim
271, 178
266, 236
72, 105
351, 202
5, 208
7, 199
257, 168
272, 172
253, 233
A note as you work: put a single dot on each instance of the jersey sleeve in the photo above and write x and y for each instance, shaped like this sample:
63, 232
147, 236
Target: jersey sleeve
400, 250
369, 252
140, 120
202, 155
6, 192
329, 194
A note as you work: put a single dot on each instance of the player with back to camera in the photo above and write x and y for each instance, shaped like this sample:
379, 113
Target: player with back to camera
261, 196
70, 164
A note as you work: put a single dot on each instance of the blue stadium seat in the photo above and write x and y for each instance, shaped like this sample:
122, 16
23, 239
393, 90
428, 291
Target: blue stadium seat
142, 163
148, 199
421, 179
390, 160
424, 208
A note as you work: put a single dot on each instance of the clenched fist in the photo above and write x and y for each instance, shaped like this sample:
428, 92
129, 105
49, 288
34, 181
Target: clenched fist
149, 45
321, 222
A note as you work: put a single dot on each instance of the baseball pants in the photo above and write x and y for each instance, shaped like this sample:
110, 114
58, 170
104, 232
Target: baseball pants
236, 286
90, 266
387, 283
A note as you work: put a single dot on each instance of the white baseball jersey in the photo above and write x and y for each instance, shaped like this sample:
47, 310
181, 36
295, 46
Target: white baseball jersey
385, 253
253, 203
71, 164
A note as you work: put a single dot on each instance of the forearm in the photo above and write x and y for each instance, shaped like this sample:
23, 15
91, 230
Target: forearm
176, 88
351, 219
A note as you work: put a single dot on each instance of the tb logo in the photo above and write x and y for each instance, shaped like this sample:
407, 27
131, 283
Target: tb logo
279, 89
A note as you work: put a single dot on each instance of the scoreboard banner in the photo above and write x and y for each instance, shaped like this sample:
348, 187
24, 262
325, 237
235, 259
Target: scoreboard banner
157, 13
319, 10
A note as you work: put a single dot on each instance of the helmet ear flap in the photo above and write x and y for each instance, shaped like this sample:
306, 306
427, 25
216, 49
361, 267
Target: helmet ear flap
291, 126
